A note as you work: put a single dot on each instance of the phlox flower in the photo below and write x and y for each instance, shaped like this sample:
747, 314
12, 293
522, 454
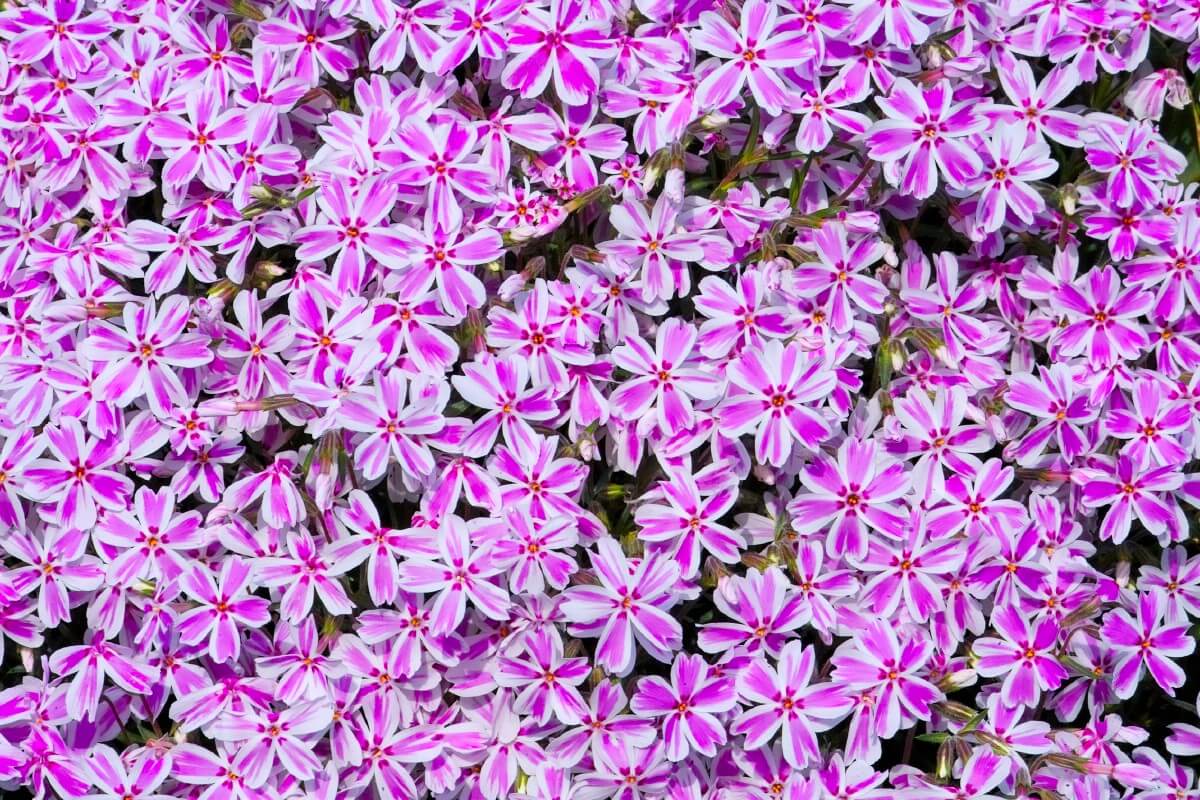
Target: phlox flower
546, 681
631, 602
754, 53
79, 478
878, 660
771, 389
1023, 655
148, 543
765, 609
785, 699
850, 496
686, 706
459, 573
195, 143
224, 605
666, 379
1133, 489
1146, 643
921, 137
560, 42
687, 523
141, 358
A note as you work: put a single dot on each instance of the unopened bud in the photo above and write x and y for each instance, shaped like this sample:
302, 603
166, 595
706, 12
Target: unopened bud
518, 235
223, 291
584, 199
588, 450
511, 286
673, 185
758, 561
714, 121
945, 761
712, 573
28, 658
998, 745
1067, 761
105, 310
959, 679
1081, 614
613, 491
1068, 199
954, 711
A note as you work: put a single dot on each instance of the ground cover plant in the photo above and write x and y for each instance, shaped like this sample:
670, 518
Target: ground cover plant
599, 399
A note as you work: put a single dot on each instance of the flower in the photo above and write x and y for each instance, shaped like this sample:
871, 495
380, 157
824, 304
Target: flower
1010, 163
877, 660
1024, 656
686, 707
1132, 489
839, 272
140, 359
149, 543
923, 129
688, 521
770, 389
79, 479
754, 54
1146, 643
786, 699
666, 379
629, 604
559, 42
850, 496
223, 605
459, 573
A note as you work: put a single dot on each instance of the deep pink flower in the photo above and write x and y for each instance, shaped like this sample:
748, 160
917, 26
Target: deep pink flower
687, 706
771, 389
560, 42
786, 699
1024, 656
631, 602
922, 137
1147, 643
224, 606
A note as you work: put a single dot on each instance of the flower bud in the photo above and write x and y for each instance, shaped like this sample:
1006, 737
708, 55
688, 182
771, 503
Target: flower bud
714, 121
959, 679
588, 450
511, 286
673, 185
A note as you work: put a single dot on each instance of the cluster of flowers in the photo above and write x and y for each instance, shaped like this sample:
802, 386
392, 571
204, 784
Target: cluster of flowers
590, 399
